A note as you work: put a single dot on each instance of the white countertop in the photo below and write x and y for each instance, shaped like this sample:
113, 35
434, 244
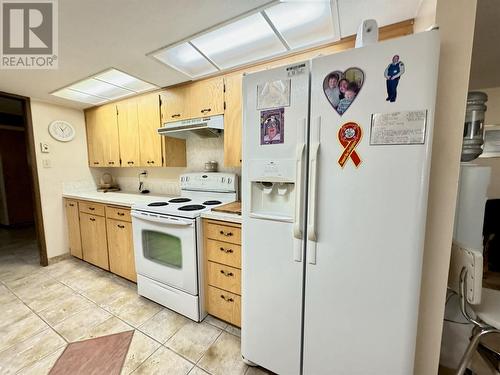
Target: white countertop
233, 218
116, 198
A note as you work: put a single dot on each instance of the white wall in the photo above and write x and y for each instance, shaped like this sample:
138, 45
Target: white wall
454, 69
68, 163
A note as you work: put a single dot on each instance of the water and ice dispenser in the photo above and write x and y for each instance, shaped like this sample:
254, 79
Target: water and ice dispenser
272, 189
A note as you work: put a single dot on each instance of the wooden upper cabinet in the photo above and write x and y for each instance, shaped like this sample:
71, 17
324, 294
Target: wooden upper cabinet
108, 123
233, 120
128, 128
206, 97
95, 144
149, 121
174, 104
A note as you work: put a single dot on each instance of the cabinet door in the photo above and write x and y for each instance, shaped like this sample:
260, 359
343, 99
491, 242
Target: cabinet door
108, 129
149, 121
95, 145
233, 120
174, 104
73, 220
128, 129
121, 249
206, 97
94, 243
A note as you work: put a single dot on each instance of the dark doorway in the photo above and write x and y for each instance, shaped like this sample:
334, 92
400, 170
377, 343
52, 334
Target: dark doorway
21, 225
491, 236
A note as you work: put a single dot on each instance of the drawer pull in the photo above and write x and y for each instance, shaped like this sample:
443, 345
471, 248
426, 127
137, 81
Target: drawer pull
176, 115
226, 298
120, 213
227, 251
225, 273
96, 163
130, 162
227, 234
150, 162
92, 219
121, 226
91, 208
111, 162
206, 110
71, 205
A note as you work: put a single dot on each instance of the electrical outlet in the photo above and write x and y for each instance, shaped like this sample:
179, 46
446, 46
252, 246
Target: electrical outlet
44, 147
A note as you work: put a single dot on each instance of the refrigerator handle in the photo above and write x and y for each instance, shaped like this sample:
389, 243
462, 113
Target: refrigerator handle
313, 168
297, 226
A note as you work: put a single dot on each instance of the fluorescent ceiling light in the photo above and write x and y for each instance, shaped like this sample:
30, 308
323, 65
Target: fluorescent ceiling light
78, 96
287, 26
109, 85
186, 59
303, 23
246, 40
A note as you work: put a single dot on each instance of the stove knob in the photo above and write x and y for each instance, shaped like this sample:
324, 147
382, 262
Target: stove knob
223, 179
229, 180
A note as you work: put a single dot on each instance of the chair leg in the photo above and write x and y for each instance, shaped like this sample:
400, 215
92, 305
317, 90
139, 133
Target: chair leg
471, 348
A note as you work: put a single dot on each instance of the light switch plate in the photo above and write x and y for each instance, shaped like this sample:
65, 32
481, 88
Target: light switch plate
44, 147
46, 163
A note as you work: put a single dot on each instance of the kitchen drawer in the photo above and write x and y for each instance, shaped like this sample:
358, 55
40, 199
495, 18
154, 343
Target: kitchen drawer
224, 305
224, 253
224, 277
118, 213
91, 208
223, 232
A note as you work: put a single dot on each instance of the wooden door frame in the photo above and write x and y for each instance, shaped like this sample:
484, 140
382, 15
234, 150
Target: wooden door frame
30, 148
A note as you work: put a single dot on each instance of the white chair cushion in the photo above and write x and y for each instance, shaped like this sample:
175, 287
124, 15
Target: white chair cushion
489, 308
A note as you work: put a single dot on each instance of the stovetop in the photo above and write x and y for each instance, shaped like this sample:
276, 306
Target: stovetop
200, 192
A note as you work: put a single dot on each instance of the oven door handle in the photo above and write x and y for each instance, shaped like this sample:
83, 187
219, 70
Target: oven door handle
161, 219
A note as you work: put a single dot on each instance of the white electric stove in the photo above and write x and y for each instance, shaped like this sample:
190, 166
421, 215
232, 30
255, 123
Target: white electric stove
167, 241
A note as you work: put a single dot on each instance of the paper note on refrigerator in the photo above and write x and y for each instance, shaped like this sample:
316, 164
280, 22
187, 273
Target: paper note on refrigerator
273, 94
398, 128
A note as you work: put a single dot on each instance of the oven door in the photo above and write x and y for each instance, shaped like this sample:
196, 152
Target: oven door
165, 249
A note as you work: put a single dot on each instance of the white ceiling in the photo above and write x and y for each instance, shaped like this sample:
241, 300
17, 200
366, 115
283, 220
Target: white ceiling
95, 35
485, 65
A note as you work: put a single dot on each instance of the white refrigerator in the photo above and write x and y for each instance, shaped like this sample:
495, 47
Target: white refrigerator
334, 208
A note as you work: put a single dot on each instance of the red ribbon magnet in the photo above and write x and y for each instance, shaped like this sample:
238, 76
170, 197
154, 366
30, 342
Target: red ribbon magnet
349, 136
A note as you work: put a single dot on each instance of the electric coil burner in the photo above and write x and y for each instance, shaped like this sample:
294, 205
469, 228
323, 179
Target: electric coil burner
167, 241
158, 204
192, 207
179, 200
211, 203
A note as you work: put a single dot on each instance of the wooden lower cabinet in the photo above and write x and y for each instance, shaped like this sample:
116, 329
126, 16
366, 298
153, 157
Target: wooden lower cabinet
222, 247
94, 239
101, 235
73, 219
121, 248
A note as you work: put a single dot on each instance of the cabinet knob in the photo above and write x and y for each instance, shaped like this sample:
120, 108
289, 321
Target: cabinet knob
227, 234
227, 299
225, 273
111, 162
71, 205
226, 250
96, 163
91, 208
92, 219
121, 226
206, 110
120, 213
130, 162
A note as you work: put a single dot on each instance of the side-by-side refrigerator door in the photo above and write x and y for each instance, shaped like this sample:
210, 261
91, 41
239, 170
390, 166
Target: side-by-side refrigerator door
372, 115
275, 111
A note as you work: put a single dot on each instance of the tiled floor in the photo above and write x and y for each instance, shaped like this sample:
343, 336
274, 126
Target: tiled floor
45, 308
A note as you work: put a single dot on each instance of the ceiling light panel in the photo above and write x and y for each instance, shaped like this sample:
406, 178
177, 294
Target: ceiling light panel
102, 89
118, 78
186, 59
78, 96
243, 41
303, 23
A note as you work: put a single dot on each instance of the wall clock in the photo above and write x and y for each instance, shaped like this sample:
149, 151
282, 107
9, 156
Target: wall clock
61, 130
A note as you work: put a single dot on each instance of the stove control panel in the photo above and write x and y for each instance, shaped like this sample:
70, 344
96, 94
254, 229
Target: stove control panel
210, 181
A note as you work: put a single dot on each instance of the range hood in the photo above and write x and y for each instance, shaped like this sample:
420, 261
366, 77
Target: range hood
211, 126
